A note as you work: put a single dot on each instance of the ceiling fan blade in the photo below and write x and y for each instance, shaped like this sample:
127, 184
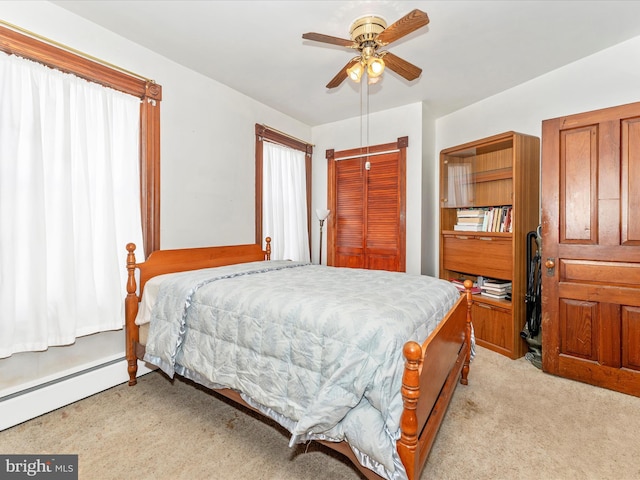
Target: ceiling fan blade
401, 67
319, 37
407, 24
342, 74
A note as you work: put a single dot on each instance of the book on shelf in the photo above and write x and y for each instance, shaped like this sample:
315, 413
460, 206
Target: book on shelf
507, 220
496, 291
470, 212
467, 227
459, 284
496, 283
471, 220
487, 219
504, 296
497, 216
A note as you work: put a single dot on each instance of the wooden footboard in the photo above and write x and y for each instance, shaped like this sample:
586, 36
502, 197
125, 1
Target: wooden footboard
431, 374
432, 370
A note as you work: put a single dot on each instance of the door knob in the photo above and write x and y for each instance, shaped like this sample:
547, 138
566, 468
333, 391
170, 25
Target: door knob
551, 265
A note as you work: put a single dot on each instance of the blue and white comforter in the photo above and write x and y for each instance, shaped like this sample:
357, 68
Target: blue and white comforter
319, 349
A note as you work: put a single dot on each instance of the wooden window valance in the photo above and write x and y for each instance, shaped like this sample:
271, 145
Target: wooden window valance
51, 54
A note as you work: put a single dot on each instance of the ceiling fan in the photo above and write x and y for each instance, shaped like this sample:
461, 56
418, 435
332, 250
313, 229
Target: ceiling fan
368, 34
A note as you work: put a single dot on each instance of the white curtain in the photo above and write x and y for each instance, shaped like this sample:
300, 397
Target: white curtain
284, 202
69, 203
460, 187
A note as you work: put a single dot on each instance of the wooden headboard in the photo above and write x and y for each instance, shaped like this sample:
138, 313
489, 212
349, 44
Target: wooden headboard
180, 260
171, 261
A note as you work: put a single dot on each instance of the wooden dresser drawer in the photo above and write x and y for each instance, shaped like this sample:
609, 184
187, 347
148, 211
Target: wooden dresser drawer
478, 255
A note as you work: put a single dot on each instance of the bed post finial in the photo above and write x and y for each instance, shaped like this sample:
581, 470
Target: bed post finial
468, 285
130, 313
408, 441
267, 255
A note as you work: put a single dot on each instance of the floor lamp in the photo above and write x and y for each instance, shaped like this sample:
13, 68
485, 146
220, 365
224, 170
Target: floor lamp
322, 216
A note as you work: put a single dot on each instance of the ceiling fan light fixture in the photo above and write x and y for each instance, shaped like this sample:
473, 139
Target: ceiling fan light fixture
368, 34
355, 72
375, 67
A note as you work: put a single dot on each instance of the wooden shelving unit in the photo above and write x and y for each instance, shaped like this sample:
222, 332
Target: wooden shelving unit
502, 170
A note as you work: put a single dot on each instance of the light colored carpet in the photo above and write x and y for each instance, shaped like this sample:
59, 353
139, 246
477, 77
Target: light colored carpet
511, 422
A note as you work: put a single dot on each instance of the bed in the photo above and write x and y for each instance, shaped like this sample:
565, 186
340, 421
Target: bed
368, 372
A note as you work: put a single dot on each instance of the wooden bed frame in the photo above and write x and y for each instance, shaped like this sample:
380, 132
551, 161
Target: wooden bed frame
431, 371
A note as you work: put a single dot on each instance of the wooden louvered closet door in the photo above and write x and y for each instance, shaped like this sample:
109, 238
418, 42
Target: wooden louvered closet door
367, 201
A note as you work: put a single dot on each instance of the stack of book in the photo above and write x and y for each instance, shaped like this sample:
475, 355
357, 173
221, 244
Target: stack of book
470, 219
496, 288
490, 219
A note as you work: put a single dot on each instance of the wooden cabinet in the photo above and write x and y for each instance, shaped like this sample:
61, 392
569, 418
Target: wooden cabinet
499, 172
591, 247
493, 326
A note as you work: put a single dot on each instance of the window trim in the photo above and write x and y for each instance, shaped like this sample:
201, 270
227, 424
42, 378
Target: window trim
265, 133
150, 93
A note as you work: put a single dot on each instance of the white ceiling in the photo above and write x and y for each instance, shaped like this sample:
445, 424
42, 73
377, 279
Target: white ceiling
469, 51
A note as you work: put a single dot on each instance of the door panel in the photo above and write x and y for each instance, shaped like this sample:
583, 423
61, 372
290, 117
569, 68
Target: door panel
578, 164
630, 183
349, 211
591, 247
631, 338
383, 240
578, 329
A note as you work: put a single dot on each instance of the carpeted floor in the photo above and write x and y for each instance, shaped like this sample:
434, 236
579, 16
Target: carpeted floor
511, 422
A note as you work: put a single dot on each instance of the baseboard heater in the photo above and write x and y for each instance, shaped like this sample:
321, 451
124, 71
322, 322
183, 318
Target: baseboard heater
31, 402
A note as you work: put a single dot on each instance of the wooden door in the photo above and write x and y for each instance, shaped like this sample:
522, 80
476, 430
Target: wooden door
591, 247
367, 200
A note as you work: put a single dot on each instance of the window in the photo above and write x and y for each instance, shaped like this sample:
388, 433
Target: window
149, 92
141, 136
283, 193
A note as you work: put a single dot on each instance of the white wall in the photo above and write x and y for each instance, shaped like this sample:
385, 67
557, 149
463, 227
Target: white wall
608, 78
385, 127
208, 160
430, 218
207, 184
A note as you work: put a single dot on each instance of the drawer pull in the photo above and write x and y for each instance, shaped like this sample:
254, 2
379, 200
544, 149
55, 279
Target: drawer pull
487, 239
462, 237
484, 305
